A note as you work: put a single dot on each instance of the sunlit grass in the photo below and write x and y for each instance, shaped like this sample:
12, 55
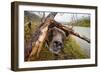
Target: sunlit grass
73, 49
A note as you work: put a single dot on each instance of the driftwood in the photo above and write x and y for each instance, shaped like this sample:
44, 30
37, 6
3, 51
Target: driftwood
38, 39
39, 36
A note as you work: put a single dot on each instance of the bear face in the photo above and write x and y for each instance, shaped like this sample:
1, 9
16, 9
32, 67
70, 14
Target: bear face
56, 38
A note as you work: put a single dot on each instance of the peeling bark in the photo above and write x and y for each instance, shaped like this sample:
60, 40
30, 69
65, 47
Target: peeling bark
40, 38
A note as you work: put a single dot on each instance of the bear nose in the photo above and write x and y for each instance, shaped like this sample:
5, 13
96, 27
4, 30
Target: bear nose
58, 44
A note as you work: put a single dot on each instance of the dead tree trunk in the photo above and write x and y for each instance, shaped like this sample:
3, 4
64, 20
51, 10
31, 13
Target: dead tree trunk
39, 36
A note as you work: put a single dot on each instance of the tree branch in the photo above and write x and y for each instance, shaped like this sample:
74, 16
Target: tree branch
71, 31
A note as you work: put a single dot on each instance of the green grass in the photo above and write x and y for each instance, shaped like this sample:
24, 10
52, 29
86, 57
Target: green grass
73, 50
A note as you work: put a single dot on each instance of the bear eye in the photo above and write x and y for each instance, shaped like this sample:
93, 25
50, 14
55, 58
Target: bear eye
55, 42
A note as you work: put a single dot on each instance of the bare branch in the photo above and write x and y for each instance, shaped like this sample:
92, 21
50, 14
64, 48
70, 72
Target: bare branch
67, 29
43, 17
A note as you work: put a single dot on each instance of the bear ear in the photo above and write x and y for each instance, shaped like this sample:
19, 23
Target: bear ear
29, 25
